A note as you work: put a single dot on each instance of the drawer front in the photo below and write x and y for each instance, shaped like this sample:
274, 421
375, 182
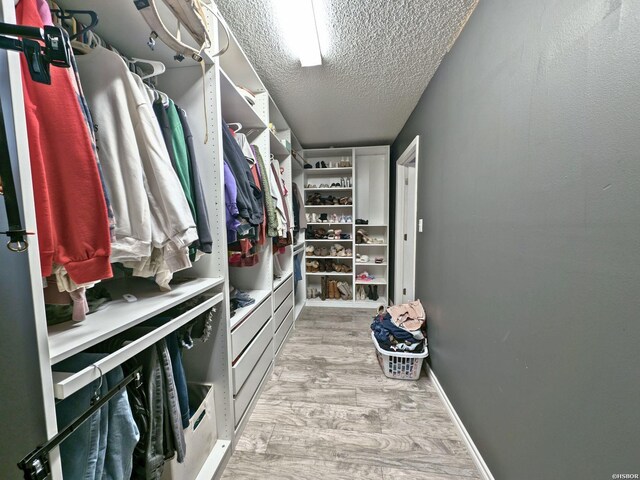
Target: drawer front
282, 292
248, 390
283, 330
244, 333
282, 311
245, 364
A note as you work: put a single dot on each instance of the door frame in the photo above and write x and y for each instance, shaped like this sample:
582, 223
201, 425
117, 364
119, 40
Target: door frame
409, 157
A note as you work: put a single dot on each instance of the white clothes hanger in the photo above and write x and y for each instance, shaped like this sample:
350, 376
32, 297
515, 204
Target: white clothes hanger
238, 126
157, 68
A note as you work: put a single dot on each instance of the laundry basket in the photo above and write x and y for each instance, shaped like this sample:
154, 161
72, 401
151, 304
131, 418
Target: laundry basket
400, 365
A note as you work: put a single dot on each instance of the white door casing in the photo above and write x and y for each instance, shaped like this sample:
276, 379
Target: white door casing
406, 223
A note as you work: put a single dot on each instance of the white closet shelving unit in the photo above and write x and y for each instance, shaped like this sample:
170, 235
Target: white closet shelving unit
238, 358
370, 193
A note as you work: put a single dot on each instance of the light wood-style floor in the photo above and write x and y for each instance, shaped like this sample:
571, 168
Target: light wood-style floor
329, 413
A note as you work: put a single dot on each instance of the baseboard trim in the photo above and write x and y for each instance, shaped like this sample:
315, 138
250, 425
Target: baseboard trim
473, 450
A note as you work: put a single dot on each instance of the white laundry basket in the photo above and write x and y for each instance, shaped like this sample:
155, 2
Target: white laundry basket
400, 365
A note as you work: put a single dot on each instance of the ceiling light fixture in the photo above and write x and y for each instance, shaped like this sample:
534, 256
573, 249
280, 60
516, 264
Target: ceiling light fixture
299, 22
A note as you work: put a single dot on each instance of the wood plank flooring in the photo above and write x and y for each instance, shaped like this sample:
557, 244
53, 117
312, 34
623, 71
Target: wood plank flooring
329, 413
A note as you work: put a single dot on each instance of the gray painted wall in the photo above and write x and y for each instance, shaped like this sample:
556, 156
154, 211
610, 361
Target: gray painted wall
530, 260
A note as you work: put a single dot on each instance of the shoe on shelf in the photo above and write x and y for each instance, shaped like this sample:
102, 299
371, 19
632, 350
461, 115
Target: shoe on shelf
323, 288
333, 252
317, 164
348, 252
309, 249
379, 260
362, 259
360, 221
348, 219
323, 165
338, 232
331, 235
322, 218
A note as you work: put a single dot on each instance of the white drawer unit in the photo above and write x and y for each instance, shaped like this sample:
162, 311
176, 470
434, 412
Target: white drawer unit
244, 365
243, 399
282, 292
282, 311
245, 331
283, 330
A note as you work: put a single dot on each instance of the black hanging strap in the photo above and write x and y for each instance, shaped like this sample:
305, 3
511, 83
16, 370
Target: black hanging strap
36, 465
17, 235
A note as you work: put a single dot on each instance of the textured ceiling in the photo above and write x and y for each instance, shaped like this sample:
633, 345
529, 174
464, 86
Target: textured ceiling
378, 57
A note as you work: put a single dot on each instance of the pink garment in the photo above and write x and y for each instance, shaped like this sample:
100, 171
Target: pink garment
44, 11
409, 316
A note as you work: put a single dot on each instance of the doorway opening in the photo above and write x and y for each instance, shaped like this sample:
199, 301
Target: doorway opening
406, 223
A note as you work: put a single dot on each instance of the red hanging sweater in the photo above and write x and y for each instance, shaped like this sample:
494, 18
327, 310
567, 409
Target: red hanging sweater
71, 214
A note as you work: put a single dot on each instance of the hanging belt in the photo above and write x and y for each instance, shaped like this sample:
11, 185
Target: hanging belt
17, 235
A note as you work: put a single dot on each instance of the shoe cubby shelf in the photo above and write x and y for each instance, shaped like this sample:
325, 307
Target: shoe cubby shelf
324, 171
330, 240
330, 274
329, 223
329, 302
375, 281
370, 192
328, 206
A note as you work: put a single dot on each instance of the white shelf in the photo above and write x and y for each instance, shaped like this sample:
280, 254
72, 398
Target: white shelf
277, 148
379, 225
319, 171
279, 281
371, 244
66, 384
332, 274
216, 459
334, 240
241, 313
328, 189
375, 281
329, 223
235, 108
328, 206
67, 339
383, 264
339, 258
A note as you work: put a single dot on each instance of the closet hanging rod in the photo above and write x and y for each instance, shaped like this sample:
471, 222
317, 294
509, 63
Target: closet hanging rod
36, 464
65, 384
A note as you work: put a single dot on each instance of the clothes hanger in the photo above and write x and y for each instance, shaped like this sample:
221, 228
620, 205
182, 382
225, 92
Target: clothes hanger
157, 68
238, 126
69, 15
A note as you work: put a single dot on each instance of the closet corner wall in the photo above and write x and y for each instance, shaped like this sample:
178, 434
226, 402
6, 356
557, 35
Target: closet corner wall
242, 349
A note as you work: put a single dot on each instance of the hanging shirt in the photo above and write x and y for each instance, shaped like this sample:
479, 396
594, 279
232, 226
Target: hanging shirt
71, 213
205, 240
148, 202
